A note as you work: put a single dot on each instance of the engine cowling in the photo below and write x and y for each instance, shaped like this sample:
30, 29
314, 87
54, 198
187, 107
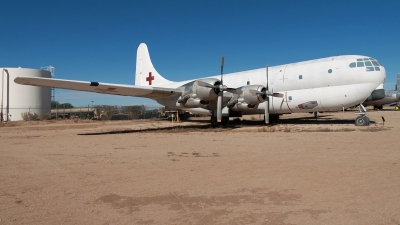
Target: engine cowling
205, 93
198, 96
252, 98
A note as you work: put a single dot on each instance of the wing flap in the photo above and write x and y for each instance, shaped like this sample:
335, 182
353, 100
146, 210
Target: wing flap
103, 88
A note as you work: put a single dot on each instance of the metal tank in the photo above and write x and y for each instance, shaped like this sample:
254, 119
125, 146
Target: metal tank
23, 102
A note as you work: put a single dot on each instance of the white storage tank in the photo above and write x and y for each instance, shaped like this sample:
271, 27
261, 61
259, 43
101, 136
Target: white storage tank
19, 102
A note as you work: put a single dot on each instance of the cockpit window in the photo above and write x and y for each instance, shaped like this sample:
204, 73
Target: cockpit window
374, 60
375, 63
370, 64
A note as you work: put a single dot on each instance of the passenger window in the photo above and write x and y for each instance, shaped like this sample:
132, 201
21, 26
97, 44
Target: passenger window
290, 98
330, 71
369, 68
300, 77
352, 65
360, 64
368, 63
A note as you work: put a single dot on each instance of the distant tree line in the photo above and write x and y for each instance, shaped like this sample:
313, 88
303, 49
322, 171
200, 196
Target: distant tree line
57, 105
111, 111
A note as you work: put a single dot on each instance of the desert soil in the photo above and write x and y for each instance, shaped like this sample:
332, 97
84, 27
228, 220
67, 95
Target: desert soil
299, 171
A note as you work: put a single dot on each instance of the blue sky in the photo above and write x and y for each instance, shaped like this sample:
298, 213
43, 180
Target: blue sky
97, 40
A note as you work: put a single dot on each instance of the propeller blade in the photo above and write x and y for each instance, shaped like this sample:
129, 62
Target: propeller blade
267, 78
252, 91
219, 107
279, 95
222, 67
266, 112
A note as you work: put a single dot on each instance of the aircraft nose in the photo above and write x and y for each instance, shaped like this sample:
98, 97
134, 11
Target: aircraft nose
382, 75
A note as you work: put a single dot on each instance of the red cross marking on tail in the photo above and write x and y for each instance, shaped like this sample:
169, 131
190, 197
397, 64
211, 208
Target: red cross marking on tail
150, 78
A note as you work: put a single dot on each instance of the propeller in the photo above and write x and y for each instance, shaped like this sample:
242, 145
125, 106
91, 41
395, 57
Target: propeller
265, 94
266, 106
220, 93
219, 90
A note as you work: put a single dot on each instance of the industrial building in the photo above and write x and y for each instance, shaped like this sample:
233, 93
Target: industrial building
19, 102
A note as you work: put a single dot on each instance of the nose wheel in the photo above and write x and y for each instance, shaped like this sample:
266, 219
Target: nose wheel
362, 119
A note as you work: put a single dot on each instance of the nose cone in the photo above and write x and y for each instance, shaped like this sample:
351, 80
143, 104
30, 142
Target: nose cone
381, 77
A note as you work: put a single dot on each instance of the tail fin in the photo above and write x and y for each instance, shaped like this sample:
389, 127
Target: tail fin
398, 82
146, 75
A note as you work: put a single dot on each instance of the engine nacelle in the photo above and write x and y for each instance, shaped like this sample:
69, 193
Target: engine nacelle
205, 93
252, 98
198, 96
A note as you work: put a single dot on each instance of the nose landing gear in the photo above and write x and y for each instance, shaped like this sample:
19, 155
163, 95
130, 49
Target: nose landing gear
362, 119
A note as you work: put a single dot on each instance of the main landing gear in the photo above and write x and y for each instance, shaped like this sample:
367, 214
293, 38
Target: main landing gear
224, 121
362, 119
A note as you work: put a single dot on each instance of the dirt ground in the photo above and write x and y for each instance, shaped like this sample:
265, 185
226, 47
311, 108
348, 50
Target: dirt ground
298, 171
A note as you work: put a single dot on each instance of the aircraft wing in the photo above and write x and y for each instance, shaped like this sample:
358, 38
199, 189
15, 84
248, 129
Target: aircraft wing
103, 88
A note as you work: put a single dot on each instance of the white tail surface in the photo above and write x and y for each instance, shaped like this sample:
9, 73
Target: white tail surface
146, 74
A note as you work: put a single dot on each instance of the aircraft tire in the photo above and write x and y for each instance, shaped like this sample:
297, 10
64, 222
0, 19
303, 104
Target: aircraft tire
225, 121
362, 121
273, 118
214, 121
368, 120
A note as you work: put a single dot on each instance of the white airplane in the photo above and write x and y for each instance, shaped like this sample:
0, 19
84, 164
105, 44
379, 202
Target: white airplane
327, 84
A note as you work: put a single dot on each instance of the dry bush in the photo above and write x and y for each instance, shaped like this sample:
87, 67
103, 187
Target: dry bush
287, 129
266, 129
27, 116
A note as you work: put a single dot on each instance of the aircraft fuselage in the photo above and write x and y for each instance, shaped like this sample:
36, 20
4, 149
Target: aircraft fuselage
327, 84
